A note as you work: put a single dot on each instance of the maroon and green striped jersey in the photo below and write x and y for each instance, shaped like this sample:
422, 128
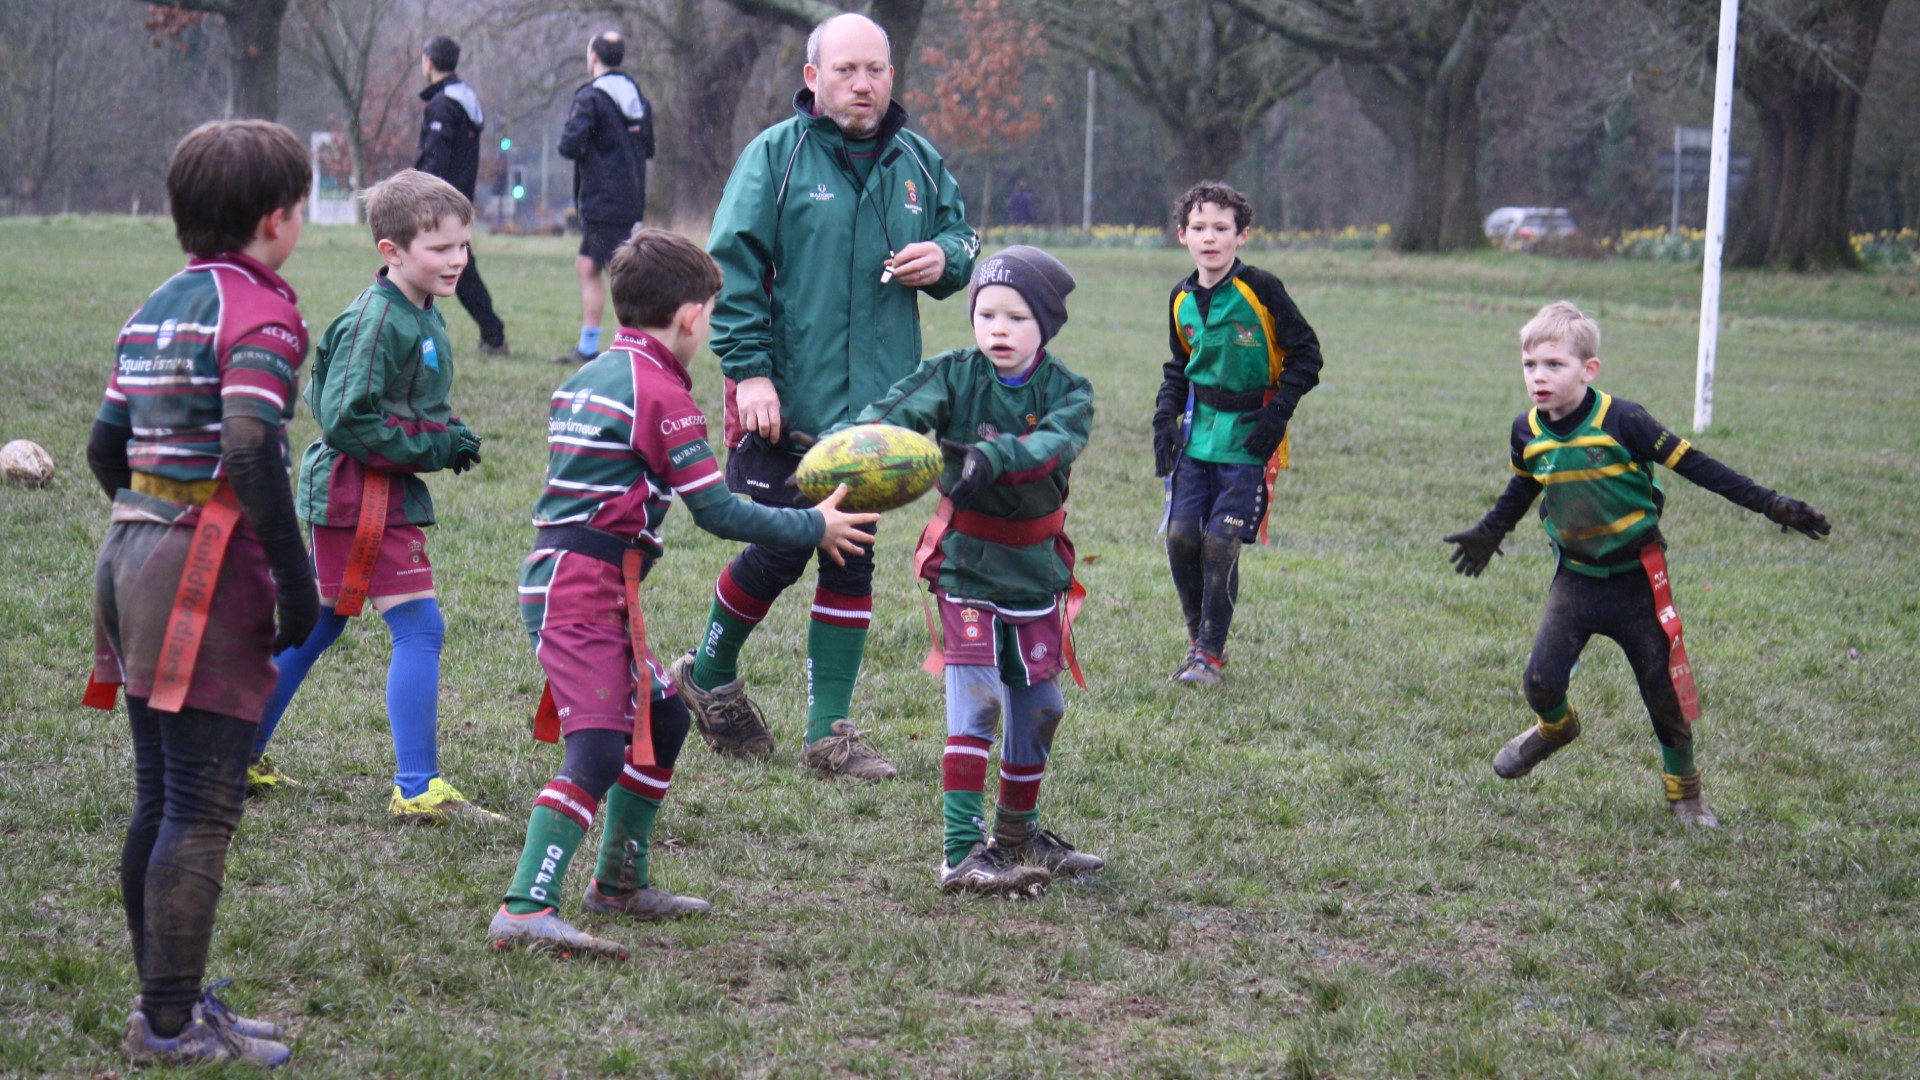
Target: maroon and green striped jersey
623, 438
220, 338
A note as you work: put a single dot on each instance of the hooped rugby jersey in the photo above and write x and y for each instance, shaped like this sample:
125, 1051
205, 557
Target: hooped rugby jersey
624, 437
221, 337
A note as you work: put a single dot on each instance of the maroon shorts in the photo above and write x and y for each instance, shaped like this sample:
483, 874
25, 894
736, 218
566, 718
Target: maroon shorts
135, 580
590, 670
402, 567
1025, 645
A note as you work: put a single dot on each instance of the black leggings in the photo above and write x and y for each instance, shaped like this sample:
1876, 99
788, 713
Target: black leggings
1618, 607
190, 788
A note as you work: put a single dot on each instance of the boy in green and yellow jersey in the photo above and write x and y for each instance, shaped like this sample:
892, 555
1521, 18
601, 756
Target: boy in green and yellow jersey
1592, 455
1241, 359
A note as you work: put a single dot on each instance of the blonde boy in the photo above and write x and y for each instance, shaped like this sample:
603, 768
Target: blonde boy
1592, 455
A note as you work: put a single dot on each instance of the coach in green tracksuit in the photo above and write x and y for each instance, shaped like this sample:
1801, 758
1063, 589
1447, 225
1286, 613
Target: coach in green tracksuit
832, 225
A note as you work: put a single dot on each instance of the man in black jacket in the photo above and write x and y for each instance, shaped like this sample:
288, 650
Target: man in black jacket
450, 150
609, 137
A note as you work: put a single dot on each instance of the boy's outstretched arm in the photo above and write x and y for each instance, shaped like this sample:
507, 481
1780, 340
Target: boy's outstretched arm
825, 526
1648, 438
1474, 548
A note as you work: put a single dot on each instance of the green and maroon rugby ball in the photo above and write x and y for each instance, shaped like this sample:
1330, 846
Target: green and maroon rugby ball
884, 467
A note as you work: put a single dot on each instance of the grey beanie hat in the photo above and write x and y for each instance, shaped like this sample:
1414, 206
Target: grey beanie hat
1037, 276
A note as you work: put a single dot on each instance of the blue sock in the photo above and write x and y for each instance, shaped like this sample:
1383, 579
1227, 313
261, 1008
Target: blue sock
589, 341
294, 665
413, 692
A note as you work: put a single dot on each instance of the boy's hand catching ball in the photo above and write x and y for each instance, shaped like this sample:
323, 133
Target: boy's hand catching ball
1794, 514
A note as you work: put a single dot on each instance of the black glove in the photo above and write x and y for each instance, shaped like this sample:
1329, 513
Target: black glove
1166, 444
976, 472
1474, 548
297, 599
1269, 427
1796, 515
466, 448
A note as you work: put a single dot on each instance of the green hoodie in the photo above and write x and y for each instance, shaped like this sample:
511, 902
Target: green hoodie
802, 243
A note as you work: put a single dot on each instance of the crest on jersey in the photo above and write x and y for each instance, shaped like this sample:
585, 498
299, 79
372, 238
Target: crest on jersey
1243, 335
164, 337
987, 430
913, 197
580, 398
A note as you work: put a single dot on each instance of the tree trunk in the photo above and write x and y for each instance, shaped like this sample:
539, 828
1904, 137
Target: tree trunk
253, 42
695, 165
1431, 116
1795, 211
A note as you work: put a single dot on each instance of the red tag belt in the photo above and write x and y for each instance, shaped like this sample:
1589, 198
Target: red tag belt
192, 605
1678, 669
365, 552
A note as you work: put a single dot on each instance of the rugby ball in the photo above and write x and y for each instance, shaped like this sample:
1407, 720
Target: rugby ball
24, 462
884, 467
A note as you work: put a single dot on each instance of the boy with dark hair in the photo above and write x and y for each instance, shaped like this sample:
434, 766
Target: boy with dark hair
624, 439
379, 392
190, 444
1593, 455
998, 561
1243, 357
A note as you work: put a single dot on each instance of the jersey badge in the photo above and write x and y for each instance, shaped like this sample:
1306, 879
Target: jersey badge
579, 401
429, 355
1033, 422
1243, 336
164, 336
1039, 652
913, 197
970, 623
820, 194
987, 431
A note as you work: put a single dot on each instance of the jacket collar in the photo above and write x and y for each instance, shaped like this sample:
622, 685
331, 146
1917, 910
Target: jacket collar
1192, 284
890, 124
434, 90
248, 265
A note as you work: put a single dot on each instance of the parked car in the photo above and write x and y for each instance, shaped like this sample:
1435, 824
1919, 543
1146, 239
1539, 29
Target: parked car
1521, 227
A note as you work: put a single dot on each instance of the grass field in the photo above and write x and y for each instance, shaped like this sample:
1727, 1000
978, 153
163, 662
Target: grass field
1312, 871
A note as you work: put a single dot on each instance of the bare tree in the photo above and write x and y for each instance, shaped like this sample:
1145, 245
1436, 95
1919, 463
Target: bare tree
253, 49
1206, 70
352, 46
1803, 66
1415, 66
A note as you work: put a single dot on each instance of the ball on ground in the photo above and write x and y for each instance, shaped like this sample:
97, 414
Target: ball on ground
884, 467
25, 462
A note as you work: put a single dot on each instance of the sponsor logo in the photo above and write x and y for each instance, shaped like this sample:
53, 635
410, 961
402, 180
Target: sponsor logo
1667, 615
987, 431
820, 194
1038, 652
566, 711
690, 452
675, 424
580, 398
282, 333
429, 355
164, 336
1231, 520
1659, 579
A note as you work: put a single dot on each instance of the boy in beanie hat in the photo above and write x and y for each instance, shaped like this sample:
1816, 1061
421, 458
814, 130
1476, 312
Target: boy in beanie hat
1242, 359
1012, 419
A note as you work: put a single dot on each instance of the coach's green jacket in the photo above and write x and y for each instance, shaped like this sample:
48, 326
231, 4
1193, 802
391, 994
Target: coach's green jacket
379, 392
802, 239
1031, 433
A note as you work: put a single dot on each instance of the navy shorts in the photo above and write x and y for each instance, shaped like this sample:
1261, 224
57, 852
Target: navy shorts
599, 238
1229, 500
